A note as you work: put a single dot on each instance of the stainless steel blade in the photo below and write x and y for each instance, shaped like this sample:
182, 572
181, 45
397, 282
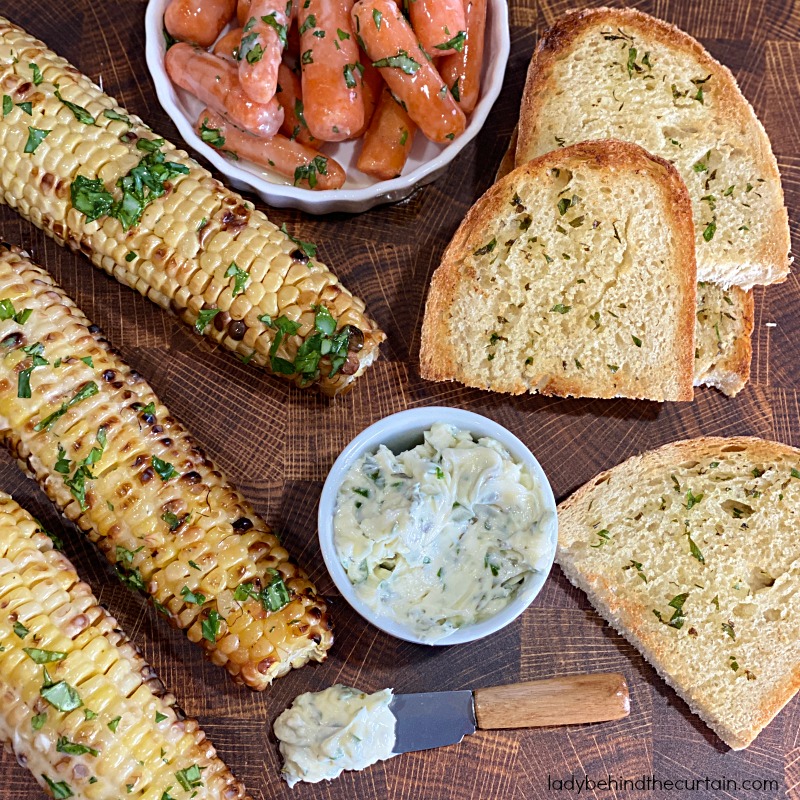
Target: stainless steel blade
432, 719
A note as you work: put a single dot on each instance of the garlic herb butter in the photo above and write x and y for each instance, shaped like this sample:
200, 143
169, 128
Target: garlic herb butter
443, 535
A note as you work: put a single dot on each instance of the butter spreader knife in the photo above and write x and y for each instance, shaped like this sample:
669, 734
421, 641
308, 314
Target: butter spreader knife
436, 719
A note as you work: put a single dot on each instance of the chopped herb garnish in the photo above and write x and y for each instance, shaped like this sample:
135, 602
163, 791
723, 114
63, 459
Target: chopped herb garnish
195, 598
637, 565
189, 778
486, 249
204, 317
160, 717
64, 745
60, 789
20, 630
349, 75
613, 367
603, 537
692, 499
308, 172
60, 695
456, 43
560, 308
210, 626
114, 724
311, 22
211, 136
35, 137
174, 522
87, 390
111, 114
90, 197
81, 114
636, 340
309, 248
43, 656
401, 61
38, 721
164, 469
8, 105
342, 34
240, 278
728, 628
37, 74
695, 550
710, 230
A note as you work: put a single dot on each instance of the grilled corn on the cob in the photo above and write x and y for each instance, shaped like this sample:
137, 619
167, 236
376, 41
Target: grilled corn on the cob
80, 707
97, 179
110, 456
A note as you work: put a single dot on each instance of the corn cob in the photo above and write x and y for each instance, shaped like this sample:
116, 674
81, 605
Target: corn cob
94, 435
81, 708
70, 154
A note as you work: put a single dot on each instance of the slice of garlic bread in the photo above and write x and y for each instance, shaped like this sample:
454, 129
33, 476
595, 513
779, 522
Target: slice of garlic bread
622, 74
691, 552
723, 348
723, 326
573, 276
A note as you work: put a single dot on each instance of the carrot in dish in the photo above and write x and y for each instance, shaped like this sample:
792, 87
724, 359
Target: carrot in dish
371, 87
264, 38
198, 21
461, 71
440, 25
82, 710
290, 96
393, 48
114, 460
304, 166
388, 140
329, 59
242, 12
227, 47
215, 81
174, 237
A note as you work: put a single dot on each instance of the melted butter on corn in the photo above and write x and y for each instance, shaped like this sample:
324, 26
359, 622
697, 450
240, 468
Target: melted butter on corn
152, 500
126, 738
181, 251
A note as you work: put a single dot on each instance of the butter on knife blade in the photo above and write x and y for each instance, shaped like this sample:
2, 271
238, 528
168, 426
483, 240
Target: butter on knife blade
324, 733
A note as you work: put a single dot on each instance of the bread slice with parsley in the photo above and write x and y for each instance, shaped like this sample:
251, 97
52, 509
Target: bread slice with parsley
723, 330
691, 552
723, 326
619, 73
573, 276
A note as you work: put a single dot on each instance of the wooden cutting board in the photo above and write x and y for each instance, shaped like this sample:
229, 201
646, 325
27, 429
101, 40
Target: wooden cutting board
278, 445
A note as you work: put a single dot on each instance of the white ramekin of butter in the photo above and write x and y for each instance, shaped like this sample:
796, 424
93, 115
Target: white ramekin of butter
438, 525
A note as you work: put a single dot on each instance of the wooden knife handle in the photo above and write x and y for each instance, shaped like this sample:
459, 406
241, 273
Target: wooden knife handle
557, 701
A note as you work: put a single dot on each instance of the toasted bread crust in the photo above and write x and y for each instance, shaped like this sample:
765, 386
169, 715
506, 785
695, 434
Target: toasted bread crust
557, 42
626, 616
438, 359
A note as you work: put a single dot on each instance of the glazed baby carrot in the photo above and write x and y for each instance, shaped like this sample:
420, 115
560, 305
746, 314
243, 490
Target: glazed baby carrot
371, 87
263, 40
304, 166
388, 140
199, 22
290, 96
334, 108
215, 81
462, 71
392, 46
228, 46
440, 25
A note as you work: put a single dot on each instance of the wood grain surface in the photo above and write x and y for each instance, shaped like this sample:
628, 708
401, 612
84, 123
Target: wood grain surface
278, 444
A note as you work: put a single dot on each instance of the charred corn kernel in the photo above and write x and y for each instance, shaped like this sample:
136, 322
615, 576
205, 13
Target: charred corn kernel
81, 708
111, 457
174, 241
